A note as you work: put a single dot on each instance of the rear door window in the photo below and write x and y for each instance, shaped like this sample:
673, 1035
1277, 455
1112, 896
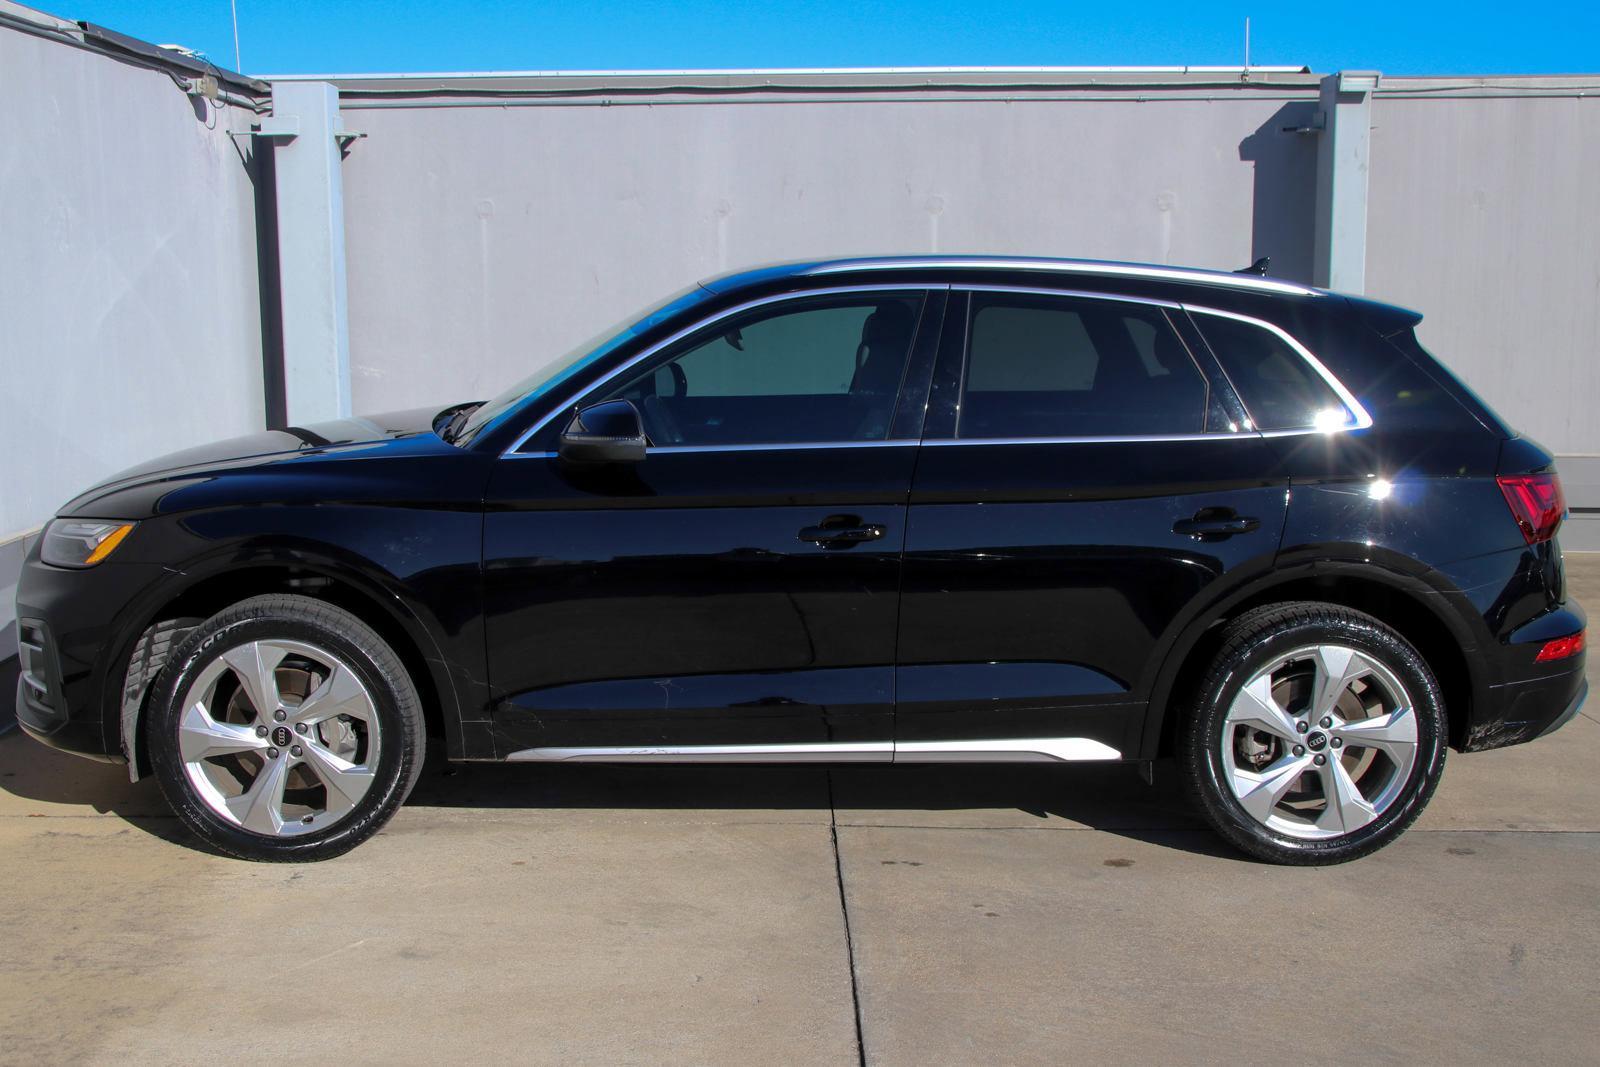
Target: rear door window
1060, 366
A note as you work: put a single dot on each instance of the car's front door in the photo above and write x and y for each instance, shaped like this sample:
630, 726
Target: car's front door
1081, 484
735, 594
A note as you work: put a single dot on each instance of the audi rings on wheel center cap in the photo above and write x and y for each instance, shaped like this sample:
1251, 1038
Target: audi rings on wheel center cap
281, 736
1316, 742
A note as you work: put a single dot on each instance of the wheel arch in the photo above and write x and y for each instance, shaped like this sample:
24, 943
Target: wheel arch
1419, 611
209, 590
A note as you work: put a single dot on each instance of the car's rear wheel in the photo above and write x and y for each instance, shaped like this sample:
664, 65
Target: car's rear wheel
1317, 737
285, 728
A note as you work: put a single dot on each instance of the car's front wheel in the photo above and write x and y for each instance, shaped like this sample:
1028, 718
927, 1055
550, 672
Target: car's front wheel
1318, 734
285, 728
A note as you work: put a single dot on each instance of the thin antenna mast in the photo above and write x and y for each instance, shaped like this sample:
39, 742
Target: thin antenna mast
1246, 42
233, 5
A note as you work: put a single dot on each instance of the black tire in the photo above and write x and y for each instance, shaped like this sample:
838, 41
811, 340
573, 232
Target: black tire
401, 737
1251, 643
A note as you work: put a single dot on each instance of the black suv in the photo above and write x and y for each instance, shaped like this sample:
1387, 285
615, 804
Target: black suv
880, 510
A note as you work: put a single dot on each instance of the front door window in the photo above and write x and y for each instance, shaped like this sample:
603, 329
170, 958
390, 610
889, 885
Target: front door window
812, 370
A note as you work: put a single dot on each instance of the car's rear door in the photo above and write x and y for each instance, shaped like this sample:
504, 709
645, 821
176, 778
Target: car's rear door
735, 595
1083, 480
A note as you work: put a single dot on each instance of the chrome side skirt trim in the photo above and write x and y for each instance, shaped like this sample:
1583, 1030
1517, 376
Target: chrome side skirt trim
867, 752
1001, 750
1005, 750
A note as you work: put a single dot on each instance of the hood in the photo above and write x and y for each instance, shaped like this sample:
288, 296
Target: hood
260, 448
349, 431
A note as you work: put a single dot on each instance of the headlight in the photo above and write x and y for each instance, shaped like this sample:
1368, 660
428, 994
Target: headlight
81, 542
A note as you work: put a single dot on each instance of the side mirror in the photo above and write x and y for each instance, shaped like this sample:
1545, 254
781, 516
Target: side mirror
609, 432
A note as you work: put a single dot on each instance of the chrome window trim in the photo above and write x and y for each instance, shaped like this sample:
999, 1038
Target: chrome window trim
1126, 439
655, 349
783, 446
980, 750
946, 442
779, 446
1363, 419
1127, 270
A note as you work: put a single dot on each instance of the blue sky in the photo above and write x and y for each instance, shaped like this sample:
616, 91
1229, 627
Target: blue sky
299, 36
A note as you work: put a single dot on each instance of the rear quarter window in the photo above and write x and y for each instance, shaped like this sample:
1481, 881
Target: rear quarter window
1280, 389
1433, 393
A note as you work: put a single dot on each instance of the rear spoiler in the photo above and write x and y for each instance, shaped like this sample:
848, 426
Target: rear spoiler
1387, 319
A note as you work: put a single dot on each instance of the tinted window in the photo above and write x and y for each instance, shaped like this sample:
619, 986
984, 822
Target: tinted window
1425, 390
1043, 366
810, 370
1280, 390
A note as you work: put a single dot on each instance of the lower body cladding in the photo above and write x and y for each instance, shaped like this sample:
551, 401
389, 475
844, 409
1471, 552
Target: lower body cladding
1003, 750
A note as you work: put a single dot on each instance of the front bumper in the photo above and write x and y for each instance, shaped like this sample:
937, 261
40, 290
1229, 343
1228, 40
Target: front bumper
74, 640
43, 711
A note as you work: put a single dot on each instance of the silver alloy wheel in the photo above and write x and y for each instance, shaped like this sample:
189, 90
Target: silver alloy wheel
279, 737
1320, 742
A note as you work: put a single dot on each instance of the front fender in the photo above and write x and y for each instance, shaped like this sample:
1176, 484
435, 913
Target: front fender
436, 604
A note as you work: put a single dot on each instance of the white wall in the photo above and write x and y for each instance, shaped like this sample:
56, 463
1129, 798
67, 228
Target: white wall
1483, 218
484, 241
129, 314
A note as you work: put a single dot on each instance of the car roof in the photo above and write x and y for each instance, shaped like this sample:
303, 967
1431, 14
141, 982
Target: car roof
1007, 265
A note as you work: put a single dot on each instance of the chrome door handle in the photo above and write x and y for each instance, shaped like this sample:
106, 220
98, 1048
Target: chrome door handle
841, 531
1215, 524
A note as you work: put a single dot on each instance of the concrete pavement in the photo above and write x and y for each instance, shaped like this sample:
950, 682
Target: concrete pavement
738, 915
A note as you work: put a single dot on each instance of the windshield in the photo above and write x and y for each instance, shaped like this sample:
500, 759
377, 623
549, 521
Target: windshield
591, 351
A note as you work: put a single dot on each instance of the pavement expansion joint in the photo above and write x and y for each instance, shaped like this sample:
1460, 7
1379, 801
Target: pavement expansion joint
844, 911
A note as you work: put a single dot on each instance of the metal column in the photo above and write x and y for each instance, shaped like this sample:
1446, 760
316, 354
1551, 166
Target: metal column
308, 132
1341, 232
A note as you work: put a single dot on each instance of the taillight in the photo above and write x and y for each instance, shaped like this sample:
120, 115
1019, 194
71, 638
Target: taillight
1536, 502
1560, 648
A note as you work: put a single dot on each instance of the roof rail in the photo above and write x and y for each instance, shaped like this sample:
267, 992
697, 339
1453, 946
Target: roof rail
1065, 266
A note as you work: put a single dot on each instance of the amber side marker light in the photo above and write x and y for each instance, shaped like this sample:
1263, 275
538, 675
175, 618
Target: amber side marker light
1561, 648
109, 545
79, 543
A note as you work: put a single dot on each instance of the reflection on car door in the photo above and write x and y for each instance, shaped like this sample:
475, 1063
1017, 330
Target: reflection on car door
735, 595
1079, 487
